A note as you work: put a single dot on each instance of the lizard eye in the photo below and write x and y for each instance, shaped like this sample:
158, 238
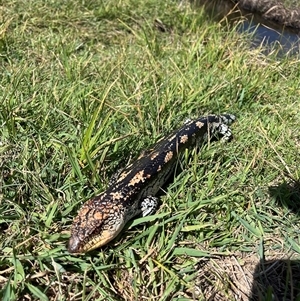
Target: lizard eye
74, 244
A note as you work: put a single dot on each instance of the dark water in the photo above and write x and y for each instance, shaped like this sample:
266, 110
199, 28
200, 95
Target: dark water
268, 34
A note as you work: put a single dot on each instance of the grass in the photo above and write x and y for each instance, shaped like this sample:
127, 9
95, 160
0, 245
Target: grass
290, 3
85, 87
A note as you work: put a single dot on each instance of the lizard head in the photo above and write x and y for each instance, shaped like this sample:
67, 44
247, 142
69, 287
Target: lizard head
97, 223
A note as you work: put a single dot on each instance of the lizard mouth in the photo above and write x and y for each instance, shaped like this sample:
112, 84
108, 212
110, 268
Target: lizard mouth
77, 246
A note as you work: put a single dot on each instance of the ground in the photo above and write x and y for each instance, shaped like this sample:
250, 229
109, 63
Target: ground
87, 86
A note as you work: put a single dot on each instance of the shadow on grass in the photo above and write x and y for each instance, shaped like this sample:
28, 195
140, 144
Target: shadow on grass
287, 195
276, 280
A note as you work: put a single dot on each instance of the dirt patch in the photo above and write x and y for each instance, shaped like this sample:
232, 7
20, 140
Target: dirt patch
227, 278
247, 278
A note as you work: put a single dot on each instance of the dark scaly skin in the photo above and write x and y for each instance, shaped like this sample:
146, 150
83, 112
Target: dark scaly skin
102, 218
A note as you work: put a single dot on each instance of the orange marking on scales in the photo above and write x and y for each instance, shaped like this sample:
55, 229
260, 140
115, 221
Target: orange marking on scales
153, 156
199, 124
116, 195
98, 215
169, 156
139, 177
122, 176
84, 211
184, 139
